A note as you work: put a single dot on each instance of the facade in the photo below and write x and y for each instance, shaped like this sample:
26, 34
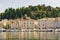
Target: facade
42, 24
12, 24
49, 24
27, 24
21, 24
56, 23
1, 24
59, 24
31, 24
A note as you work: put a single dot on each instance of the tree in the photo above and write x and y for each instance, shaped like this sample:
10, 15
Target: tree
6, 26
34, 12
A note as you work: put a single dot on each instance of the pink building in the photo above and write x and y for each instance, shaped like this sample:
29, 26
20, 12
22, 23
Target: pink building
42, 24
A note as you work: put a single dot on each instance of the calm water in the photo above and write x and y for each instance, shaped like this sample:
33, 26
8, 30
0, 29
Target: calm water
29, 35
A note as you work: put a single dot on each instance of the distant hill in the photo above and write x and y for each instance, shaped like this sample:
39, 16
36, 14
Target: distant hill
34, 12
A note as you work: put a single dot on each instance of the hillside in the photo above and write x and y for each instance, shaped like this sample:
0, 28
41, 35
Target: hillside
34, 12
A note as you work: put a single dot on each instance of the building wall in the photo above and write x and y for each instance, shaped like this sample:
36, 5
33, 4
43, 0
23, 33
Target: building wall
28, 24
49, 24
22, 24
42, 24
59, 24
31, 24
56, 24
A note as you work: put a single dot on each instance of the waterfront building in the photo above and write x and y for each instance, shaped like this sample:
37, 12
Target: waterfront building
12, 24
56, 23
27, 24
42, 24
21, 24
45, 23
49, 24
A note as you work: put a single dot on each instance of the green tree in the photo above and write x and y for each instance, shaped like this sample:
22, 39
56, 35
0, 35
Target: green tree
6, 26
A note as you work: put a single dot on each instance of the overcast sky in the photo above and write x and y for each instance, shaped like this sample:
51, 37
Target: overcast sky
4, 4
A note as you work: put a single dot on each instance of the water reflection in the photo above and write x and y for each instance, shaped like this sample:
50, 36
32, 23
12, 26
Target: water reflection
29, 35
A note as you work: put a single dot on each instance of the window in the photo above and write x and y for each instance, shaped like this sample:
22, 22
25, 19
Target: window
39, 24
12, 21
24, 22
30, 22
43, 24
39, 28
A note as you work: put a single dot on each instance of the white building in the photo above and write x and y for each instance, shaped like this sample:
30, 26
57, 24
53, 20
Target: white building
49, 24
56, 23
45, 23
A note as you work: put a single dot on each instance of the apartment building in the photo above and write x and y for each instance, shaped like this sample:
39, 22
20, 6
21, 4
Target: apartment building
28, 24
31, 24
12, 24
46, 23
42, 24
56, 23
49, 23
21, 24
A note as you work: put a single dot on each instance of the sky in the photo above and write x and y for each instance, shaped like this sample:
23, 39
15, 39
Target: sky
4, 4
